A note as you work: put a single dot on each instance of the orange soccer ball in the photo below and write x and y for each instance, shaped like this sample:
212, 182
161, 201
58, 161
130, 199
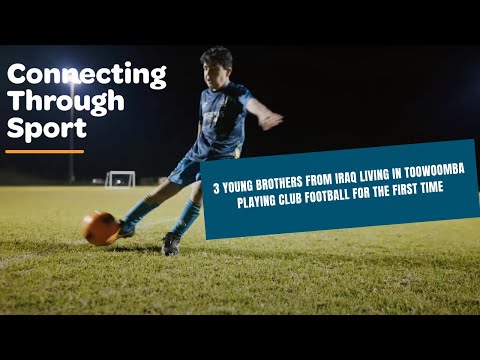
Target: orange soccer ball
99, 227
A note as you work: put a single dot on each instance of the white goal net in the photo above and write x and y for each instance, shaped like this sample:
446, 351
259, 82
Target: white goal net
120, 180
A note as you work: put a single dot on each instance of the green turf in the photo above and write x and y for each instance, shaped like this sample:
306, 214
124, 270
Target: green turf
47, 268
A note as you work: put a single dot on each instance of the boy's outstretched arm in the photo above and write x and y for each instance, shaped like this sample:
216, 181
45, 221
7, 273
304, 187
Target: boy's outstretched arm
266, 118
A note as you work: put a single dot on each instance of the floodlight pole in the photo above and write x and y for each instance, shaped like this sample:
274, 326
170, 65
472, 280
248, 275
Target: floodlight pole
71, 174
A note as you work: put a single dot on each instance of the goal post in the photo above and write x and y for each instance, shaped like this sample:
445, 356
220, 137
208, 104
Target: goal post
120, 180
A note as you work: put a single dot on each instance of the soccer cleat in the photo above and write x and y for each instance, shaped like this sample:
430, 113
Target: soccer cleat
122, 233
171, 244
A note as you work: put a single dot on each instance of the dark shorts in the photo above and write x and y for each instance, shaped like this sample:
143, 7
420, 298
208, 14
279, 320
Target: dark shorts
187, 172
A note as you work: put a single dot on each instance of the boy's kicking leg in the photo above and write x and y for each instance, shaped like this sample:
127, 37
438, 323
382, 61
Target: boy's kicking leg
163, 192
189, 214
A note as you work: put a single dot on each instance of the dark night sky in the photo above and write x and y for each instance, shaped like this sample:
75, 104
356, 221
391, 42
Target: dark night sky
333, 97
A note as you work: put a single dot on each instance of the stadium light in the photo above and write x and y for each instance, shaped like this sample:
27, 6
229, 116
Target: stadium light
71, 173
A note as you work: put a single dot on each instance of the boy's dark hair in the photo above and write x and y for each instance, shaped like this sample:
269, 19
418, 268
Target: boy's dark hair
217, 55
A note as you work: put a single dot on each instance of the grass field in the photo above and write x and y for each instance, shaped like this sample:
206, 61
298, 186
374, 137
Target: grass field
47, 268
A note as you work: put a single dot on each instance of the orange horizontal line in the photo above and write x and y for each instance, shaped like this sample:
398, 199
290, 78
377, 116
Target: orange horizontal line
44, 151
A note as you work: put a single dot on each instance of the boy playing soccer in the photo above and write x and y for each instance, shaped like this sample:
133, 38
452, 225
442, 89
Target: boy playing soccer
221, 133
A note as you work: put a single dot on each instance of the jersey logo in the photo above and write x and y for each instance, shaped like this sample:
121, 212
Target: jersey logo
211, 116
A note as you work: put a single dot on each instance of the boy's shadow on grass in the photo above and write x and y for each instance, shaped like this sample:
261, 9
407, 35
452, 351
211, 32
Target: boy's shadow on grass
136, 248
202, 251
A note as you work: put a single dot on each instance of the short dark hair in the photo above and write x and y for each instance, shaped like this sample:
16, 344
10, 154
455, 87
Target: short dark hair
217, 55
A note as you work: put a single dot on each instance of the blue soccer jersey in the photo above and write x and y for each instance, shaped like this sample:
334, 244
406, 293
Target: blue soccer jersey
222, 118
